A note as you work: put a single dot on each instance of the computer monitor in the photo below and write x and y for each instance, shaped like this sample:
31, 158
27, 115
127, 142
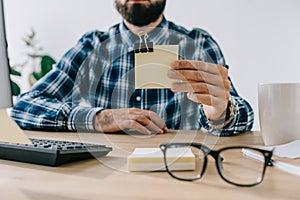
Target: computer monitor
5, 85
9, 130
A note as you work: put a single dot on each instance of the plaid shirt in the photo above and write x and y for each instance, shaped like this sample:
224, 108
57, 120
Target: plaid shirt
98, 73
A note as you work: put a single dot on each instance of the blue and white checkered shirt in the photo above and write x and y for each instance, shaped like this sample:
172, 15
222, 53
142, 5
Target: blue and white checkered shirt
98, 73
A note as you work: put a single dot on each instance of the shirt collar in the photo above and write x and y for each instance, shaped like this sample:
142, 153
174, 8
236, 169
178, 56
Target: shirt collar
157, 35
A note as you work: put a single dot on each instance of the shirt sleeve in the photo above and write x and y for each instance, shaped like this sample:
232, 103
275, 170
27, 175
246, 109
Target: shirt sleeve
244, 115
49, 105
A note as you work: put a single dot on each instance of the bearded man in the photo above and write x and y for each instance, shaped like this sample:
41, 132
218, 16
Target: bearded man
92, 87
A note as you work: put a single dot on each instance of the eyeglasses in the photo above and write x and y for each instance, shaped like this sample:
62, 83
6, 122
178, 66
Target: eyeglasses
187, 162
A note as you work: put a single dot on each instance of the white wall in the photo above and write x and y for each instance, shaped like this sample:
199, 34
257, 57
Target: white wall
259, 38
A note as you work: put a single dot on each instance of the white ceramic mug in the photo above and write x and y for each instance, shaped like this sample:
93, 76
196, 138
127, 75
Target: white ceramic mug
279, 112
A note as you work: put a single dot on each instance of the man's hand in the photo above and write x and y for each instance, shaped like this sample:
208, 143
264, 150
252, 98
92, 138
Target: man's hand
206, 83
143, 121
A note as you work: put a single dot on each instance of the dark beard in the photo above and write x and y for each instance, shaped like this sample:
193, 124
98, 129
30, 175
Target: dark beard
139, 14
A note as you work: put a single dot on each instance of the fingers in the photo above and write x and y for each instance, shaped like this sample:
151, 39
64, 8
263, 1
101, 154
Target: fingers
195, 75
201, 98
198, 88
143, 121
148, 123
200, 78
205, 83
159, 122
199, 66
198, 71
151, 120
132, 124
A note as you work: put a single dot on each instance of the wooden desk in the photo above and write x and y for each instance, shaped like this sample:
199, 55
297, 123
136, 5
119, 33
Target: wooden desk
107, 178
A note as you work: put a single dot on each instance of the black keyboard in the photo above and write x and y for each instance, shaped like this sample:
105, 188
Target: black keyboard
51, 152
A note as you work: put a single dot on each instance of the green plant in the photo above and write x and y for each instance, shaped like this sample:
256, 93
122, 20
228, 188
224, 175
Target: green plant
46, 63
42, 63
38, 62
15, 88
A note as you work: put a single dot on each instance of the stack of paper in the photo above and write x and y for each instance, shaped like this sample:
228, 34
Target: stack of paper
152, 159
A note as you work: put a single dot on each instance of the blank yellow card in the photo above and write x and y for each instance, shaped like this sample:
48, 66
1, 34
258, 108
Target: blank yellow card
151, 68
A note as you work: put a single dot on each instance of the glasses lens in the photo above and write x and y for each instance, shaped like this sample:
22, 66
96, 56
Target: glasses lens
185, 162
239, 168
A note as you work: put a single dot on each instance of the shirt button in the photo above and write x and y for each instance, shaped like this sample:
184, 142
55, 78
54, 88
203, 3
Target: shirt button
138, 98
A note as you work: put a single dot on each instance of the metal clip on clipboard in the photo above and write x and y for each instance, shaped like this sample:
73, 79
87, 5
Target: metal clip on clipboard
143, 46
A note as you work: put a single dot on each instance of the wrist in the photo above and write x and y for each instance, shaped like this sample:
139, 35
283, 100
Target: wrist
225, 117
97, 120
